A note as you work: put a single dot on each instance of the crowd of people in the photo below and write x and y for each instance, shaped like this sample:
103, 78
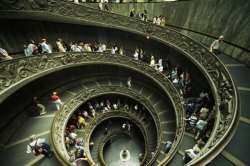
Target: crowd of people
61, 46
79, 118
200, 114
200, 117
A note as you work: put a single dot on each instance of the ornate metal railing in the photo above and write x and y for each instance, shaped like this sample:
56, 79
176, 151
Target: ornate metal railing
62, 116
116, 133
113, 114
18, 72
122, 114
223, 88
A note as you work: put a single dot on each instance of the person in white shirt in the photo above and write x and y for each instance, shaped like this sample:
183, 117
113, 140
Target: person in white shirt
129, 82
115, 106
39, 142
4, 55
112, 50
160, 69
73, 136
136, 55
103, 47
45, 47
124, 126
215, 46
76, 1
190, 154
154, 20
158, 21
30, 48
152, 62
176, 80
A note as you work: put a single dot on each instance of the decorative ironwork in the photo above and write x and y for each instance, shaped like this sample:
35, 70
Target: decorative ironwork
224, 90
114, 114
116, 133
62, 116
11, 4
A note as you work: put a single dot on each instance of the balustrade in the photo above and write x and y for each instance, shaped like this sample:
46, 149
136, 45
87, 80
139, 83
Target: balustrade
17, 72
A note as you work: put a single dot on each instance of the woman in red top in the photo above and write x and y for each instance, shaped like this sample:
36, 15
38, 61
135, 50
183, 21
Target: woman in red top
56, 99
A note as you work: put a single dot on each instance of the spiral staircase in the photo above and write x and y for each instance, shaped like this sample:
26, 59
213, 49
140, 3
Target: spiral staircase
99, 74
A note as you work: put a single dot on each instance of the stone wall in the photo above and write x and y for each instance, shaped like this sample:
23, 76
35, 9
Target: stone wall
203, 17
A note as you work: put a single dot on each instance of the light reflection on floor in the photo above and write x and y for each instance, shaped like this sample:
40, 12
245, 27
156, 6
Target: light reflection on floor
112, 152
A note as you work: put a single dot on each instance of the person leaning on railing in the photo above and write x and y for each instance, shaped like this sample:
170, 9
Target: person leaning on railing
215, 46
4, 55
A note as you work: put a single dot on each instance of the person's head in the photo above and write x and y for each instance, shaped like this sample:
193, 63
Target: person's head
221, 38
54, 93
196, 150
43, 40
32, 138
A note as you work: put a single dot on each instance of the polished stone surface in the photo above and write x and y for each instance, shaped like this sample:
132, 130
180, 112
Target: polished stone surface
239, 145
112, 153
244, 100
240, 75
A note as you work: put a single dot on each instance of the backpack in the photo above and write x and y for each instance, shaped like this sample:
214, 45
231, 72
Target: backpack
36, 150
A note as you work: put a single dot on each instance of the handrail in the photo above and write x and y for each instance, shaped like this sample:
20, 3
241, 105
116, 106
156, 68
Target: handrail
28, 69
116, 133
223, 87
121, 114
207, 35
62, 116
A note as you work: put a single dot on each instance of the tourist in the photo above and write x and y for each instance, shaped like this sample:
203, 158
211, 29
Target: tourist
4, 55
45, 47
129, 83
60, 45
39, 143
168, 146
215, 46
56, 99
41, 107
31, 49
132, 13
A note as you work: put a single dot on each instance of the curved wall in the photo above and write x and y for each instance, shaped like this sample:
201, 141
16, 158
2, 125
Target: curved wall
211, 17
216, 66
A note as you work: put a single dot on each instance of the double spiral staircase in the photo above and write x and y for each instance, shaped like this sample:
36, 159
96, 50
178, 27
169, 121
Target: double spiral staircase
81, 77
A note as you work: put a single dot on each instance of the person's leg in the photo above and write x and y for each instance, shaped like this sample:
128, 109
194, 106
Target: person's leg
186, 158
198, 134
42, 109
58, 104
47, 148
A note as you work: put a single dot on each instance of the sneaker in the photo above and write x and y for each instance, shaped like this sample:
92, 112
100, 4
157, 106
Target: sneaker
43, 113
